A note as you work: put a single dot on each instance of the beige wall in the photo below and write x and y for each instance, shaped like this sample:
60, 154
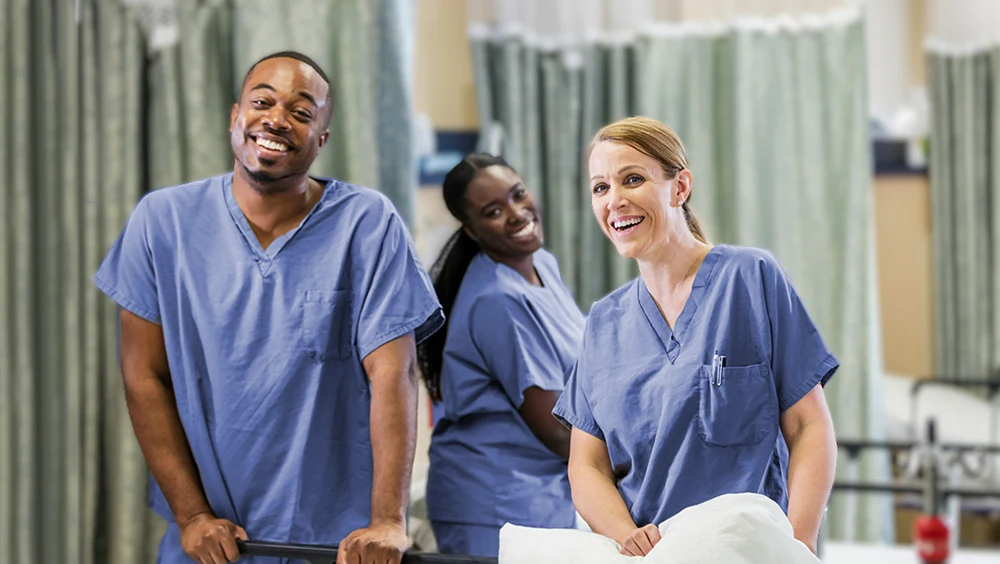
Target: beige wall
903, 255
918, 30
442, 89
903, 238
443, 82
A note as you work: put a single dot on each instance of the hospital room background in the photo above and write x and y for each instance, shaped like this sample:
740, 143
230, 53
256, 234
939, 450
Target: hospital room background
857, 141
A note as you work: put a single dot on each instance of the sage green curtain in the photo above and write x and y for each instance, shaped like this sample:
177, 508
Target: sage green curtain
71, 112
775, 125
191, 90
363, 45
965, 204
89, 120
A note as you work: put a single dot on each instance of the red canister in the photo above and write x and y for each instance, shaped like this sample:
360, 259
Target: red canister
930, 534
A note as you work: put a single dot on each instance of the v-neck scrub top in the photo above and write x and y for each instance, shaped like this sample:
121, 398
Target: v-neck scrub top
676, 435
265, 347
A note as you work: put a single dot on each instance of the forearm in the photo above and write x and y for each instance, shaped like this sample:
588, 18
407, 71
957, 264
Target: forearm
536, 410
153, 411
599, 502
393, 437
811, 467
556, 440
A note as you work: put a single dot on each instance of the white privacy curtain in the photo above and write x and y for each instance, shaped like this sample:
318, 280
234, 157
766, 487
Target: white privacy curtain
773, 113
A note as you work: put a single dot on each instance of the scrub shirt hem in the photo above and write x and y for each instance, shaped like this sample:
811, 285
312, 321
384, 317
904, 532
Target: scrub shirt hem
410, 326
459, 519
541, 384
573, 422
125, 302
822, 374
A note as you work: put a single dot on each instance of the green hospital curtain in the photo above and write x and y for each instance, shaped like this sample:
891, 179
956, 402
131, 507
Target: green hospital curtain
71, 108
965, 184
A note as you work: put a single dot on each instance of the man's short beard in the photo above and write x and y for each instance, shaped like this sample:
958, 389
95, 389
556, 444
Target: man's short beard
267, 184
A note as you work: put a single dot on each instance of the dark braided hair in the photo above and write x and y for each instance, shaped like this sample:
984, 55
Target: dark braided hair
449, 269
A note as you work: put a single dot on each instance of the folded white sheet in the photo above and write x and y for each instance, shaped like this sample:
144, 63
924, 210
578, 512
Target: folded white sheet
730, 529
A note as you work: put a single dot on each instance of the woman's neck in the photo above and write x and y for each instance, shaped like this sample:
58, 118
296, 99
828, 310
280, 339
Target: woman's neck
674, 269
524, 265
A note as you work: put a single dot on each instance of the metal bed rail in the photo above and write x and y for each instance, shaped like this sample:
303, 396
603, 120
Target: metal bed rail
328, 554
856, 446
937, 461
914, 488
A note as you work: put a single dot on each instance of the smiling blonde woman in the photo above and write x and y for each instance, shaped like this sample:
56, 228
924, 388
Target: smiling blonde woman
702, 377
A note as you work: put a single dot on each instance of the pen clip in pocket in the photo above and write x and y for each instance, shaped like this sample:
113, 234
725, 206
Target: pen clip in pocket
718, 363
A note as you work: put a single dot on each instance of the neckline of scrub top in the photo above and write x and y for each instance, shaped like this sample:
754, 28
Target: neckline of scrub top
521, 279
261, 255
669, 337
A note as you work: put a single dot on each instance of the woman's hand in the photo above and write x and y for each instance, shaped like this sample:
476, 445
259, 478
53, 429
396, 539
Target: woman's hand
640, 541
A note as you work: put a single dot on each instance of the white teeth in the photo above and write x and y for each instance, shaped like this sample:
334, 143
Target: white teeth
526, 230
272, 145
626, 223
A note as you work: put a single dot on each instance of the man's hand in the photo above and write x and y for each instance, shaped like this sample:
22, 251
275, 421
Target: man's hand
208, 540
640, 541
379, 543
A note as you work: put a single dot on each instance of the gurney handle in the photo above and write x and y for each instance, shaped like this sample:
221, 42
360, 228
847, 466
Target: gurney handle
328, 554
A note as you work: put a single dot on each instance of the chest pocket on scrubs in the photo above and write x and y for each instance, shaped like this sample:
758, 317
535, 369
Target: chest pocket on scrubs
739, 409
326, 324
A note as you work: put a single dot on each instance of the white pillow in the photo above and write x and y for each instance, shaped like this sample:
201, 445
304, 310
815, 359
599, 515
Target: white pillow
729, 529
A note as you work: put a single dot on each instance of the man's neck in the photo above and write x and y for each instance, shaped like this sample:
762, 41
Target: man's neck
274, 209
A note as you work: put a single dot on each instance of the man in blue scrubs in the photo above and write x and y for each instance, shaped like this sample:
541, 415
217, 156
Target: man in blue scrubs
268, 329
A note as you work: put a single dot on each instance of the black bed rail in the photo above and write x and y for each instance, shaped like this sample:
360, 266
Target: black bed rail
328, 554
855, 446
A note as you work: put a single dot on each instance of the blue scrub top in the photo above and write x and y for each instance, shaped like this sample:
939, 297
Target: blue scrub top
675, 437
504, 336
265, 346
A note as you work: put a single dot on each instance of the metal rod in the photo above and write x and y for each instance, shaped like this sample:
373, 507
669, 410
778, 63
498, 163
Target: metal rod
898, 488
851, 504
992, 385
991, 468
932, 495
954, 507
912, 488
907, 445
